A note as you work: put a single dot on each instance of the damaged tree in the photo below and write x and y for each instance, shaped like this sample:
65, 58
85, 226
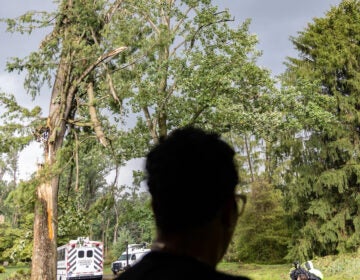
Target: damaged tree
175, 63
73, 49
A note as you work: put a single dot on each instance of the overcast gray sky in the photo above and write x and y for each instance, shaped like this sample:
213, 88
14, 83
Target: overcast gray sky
274, 21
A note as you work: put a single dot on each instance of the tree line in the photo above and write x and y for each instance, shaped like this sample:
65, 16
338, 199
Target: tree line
123, 74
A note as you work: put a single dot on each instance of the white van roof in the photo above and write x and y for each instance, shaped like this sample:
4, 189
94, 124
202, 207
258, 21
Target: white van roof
133, 247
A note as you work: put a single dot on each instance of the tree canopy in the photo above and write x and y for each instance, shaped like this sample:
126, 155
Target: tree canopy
323, 178
123, 74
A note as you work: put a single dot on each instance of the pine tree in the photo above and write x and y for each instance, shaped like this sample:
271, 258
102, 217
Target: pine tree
321, 185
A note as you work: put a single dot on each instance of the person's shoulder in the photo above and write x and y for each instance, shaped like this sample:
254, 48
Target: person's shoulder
164, 266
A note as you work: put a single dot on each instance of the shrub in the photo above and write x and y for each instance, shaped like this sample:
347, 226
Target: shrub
2, 269
20, 274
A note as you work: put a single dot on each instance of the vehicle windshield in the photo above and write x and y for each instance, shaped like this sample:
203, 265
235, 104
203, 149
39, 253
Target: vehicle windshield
122, 257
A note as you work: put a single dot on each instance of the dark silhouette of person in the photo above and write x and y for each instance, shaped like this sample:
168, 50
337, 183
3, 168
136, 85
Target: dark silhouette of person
191, 176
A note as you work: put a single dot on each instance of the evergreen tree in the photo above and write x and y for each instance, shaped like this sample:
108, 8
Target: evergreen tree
322, 181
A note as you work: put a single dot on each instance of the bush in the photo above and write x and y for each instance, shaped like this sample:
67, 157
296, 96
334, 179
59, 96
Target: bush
2, 269
20, 274
22, 264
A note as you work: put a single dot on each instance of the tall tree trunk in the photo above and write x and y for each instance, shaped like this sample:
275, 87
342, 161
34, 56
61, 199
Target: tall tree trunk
116, 226
45, 220
45, 228
45, 225
248, 156
268, 161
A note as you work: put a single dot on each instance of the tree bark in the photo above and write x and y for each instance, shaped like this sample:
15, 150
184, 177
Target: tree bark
93, 115
45, 220
248, 156
45, 228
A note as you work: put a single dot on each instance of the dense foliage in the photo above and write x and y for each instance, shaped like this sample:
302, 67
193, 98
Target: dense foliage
262, 235
321, 184
125, 73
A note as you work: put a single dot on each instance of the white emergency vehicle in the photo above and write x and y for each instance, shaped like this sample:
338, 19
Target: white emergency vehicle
133, 254
80, 259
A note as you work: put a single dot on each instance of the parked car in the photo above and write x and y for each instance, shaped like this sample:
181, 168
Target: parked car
133, 254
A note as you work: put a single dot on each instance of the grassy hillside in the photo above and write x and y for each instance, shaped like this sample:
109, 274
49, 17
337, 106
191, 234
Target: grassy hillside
340, 267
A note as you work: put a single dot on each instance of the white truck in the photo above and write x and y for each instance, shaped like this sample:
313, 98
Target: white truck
133, 254
80, 259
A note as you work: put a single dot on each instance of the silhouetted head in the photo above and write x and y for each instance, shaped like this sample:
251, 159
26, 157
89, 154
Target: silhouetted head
190, 175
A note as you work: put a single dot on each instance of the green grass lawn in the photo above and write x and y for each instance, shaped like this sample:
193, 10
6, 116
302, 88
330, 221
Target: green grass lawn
344, 267
257, 272
11, 270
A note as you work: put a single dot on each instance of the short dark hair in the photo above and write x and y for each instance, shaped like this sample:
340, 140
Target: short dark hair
190, 174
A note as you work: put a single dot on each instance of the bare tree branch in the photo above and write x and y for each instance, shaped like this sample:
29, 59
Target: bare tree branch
108, 77
77, 162
148, 19
112, 11
151, 124
98, 61
197, 114
206, 25
87, 71
113, 90
176, 27
93, 115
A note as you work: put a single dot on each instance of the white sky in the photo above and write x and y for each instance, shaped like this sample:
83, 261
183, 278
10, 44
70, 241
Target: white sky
274, 21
